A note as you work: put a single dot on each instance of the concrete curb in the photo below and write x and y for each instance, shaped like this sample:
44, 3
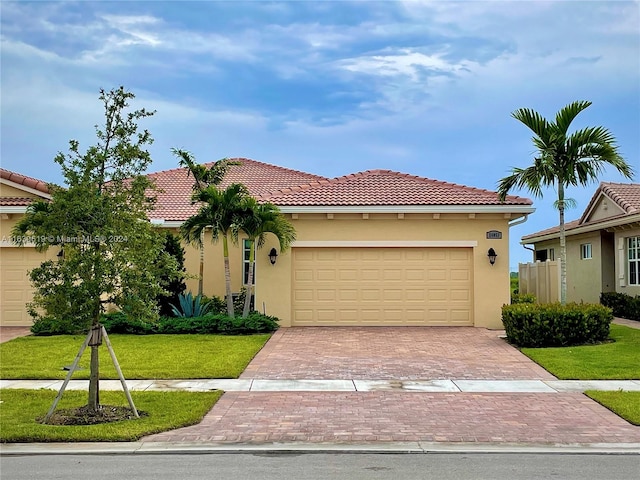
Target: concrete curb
173, 448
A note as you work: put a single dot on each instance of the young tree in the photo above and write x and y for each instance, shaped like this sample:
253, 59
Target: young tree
110, 253
258, 220
561, 160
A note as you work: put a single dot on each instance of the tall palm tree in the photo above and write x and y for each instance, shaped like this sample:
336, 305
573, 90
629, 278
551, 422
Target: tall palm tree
203, 177
258, 220
563, 160
221, 210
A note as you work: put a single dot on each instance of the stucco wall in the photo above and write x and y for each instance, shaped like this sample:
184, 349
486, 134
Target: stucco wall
9, 191
491, 283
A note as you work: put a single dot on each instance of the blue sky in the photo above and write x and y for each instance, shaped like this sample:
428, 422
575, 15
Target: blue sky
331, 88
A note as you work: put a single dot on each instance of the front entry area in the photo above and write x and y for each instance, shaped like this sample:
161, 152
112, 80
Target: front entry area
382, 286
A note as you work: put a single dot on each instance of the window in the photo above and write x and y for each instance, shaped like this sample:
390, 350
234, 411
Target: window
633, 254
552, 254
245, 262
585, 251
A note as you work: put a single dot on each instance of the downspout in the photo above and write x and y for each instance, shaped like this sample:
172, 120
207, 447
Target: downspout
519, 221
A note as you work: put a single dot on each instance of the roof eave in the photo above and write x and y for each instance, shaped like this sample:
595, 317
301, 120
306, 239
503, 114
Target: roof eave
620, 221
517, 209
24, 188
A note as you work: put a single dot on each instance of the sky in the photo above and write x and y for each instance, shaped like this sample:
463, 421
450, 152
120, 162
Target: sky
326, 87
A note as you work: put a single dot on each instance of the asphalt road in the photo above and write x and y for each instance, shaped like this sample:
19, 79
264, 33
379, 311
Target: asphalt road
322, 466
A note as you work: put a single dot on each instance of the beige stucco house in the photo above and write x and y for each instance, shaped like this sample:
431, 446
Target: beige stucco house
373, 248
603, 245
17, 192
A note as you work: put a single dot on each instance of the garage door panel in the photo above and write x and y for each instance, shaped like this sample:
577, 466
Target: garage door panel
382, 286
15, 285
326, 275
303, 275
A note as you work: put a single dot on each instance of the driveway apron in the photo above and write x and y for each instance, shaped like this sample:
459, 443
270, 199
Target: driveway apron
403, 353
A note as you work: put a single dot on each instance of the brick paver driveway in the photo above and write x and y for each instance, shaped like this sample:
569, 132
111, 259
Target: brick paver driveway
403, 353
394, 416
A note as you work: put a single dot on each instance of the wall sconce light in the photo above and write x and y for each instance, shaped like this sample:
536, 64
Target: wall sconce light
273, 256
492, 256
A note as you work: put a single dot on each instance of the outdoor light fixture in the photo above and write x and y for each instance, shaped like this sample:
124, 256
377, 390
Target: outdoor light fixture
492, 256
273, 255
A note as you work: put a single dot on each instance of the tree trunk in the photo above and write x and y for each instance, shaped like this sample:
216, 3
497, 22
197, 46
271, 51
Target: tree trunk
563, 247
93, 402
201, 278
227, 275
249, 294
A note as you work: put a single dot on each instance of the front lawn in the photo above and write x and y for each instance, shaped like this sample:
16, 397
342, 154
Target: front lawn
140, 356
166, 411
618, 360
625, 404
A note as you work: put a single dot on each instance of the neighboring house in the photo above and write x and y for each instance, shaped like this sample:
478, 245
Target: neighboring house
373, 248
603, 245
17, 192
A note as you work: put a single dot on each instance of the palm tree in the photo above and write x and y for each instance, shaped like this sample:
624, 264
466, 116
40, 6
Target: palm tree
562, 160
259, 220
221, 210
203, 177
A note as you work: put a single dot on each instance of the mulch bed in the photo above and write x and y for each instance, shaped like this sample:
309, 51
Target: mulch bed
85, 416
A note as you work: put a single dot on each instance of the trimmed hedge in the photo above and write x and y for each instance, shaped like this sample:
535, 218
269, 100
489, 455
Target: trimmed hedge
555, 325
210, 323
522, 298
623, 305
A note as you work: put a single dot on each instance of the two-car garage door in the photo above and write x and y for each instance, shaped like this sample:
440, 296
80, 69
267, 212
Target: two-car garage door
382, 286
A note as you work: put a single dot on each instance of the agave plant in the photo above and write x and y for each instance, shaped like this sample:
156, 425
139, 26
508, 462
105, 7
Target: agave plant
190, 306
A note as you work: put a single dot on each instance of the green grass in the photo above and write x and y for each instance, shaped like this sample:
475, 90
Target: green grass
167, 411
619, 360
140, 356
624, 404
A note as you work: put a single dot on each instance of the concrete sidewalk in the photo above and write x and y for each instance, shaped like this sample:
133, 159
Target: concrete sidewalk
339, 385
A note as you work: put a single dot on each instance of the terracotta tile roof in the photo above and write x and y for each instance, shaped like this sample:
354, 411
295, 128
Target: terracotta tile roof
625, 195
29, 182
385, 187
16, 201
567, 226
174, 198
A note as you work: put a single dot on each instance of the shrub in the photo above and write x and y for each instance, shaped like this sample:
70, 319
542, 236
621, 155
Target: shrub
216, 304
173, 285
119, 322
522, 298
623, 305
48, 325
210, 323
555, 325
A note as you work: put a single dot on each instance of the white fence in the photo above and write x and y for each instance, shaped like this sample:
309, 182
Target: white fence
541, 279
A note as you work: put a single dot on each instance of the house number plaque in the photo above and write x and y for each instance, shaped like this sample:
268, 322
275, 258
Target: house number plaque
494, 235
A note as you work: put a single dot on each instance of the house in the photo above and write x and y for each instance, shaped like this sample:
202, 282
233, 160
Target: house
603, 245
373, 248
17, 192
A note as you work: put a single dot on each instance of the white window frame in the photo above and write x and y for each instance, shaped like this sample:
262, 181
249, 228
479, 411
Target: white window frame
552, 254
586, 251
245, 262
633, 260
